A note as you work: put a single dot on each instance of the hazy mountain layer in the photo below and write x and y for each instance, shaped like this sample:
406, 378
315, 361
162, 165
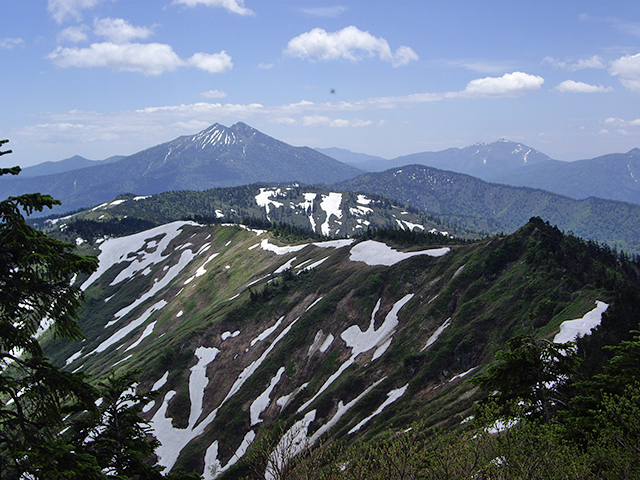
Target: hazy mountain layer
615, 176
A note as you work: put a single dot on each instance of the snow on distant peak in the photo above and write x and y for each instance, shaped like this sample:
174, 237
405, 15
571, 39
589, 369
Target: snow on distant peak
216, 135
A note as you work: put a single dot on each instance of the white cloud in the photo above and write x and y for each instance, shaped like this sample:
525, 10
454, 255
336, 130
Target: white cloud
350, 43
324, 12
118, 30
323, 121
212, 62
619, 122
234, 6
628, 69
266, 66
509, 85
74, 34
10, 43
213, 94
61, 10
571, 86
148, 58
581, 64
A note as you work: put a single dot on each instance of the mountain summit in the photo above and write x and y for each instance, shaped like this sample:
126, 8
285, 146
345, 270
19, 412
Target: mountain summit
218, 156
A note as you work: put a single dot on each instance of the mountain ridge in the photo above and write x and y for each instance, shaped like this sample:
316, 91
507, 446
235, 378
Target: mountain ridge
240, 332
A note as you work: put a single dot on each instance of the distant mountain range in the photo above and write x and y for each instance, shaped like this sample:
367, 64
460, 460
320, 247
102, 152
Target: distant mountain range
615, 176
74, 163
218, 156
482, 160
469, 202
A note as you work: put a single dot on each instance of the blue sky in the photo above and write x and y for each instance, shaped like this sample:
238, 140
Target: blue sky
105, 77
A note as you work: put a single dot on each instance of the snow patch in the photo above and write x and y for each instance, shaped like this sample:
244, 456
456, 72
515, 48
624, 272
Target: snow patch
361, 342
261, 403
378, 253
226, 335
571, 330
331, 205
392, 396
439, 330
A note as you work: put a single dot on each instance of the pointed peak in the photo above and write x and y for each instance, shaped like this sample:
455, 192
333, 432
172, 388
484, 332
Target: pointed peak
634, 151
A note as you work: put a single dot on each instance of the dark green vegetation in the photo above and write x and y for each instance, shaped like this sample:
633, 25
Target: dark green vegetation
472, 203
218, 156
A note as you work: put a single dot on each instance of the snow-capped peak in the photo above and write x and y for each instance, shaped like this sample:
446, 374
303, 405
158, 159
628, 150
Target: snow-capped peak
215, 135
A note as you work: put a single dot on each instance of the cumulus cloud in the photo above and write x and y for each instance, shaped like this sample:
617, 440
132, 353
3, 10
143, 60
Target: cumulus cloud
212, 62
214, 94
581, 64
118, 30
571, 86
148, 58
233, 6
10, 43
509, 85
74, 34
62, 10
350, 43
628, 69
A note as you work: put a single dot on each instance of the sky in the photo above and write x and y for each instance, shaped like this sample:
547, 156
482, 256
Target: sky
98, 78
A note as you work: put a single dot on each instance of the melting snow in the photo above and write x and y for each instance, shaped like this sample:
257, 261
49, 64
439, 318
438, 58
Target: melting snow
572, 329
124, 331
261, 403
345, 242
408, 225
147, 331
267, 332
364, 200
286, 266
269, 247
439, 330
263, 199
73, 357
226, 335
161, 383
314, 265
116, 250
172, 439
291, 444
378, 253
361, 342
463, 374
392, 396
331, 205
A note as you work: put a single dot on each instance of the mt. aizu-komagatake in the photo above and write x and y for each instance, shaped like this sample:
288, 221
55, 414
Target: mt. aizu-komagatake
218, 156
